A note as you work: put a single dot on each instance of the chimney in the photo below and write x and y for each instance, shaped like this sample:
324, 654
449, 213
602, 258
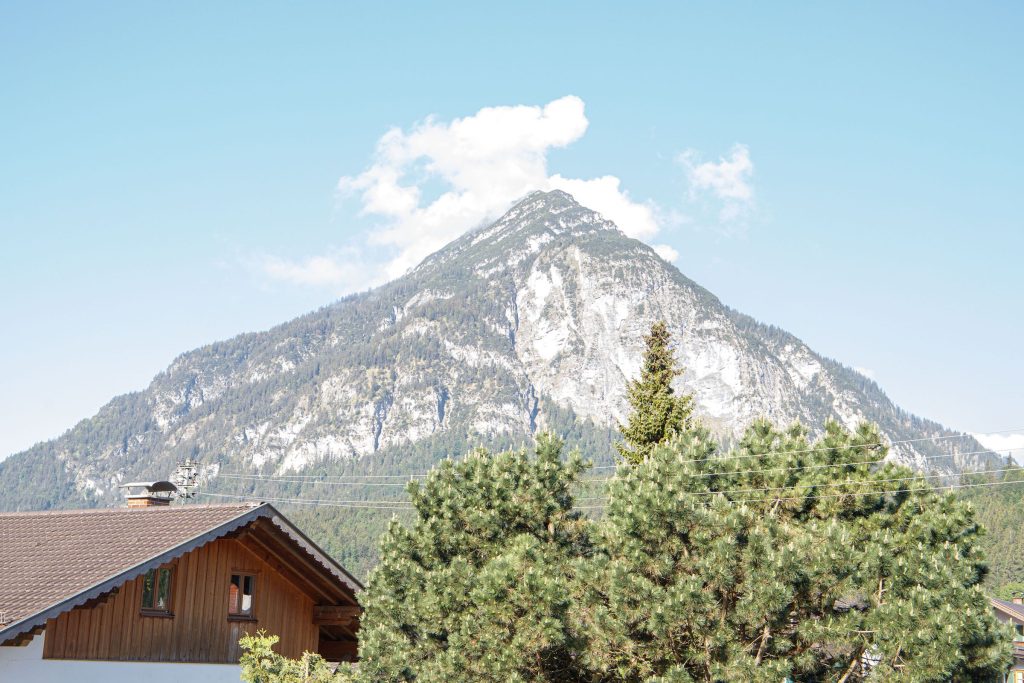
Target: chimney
153, 494
1018, 600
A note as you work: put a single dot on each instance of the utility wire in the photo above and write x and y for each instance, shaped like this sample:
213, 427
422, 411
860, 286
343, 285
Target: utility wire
291, 479
859, 445
399, 505
810, 467
354, 504
312, 476
879, 492
837, 484
285, 479
298, 477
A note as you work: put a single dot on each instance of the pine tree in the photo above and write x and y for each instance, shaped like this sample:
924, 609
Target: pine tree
260, 664
784, 560
478, 587
658, 413
780, 560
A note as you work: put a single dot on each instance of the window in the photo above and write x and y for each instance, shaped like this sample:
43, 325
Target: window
156, 592
240, 595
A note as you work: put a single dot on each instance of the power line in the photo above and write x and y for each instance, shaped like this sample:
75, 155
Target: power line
287, 479
399, 505
879, 492
848, 482
859, 445
354, 504
312, 476
300, 477
809, 467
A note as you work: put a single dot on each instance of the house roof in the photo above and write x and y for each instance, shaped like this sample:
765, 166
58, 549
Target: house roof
1008, 608
51, 562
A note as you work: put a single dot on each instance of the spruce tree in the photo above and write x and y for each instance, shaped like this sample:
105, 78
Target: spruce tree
657, 413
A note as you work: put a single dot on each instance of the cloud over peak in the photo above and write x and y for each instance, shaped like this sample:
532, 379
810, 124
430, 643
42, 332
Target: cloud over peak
481, 163
427, 184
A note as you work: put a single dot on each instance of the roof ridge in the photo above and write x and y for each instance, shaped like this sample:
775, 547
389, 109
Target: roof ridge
110, 510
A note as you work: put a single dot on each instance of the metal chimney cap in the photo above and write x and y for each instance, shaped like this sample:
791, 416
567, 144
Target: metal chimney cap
152, 486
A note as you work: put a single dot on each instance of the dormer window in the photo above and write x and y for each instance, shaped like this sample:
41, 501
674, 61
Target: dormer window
156, 592
240, 596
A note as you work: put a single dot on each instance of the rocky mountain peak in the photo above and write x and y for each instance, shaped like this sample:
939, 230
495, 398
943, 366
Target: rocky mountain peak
534, 221
536, 320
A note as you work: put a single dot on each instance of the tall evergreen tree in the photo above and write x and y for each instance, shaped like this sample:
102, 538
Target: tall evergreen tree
477, 588
658, 413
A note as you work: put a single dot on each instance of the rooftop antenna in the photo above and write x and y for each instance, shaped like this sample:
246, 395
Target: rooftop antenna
186, 478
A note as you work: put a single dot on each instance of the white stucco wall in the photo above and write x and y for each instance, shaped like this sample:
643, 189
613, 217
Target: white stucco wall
26, 664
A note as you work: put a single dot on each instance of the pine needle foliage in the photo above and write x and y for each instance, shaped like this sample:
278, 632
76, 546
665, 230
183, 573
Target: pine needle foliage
478, 588
781, 560
260, 664
658, 413
784, 561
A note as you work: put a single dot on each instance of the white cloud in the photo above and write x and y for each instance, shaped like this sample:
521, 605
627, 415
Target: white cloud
726, 182
666, 252
483, 163
1004, 444
604, 196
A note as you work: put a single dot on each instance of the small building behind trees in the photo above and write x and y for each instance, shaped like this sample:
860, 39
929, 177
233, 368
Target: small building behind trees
1012, 612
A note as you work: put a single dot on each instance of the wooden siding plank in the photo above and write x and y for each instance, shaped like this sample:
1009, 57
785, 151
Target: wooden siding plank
116, 624
74, 631
192, 589
103, 628
95, 620
49, 638
128, 619
221, 613
183, 592
209, 595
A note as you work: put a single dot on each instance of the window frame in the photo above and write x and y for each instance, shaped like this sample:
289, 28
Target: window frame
242, 575
152, 610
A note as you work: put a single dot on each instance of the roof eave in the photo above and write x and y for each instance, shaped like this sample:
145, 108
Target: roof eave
313, 549
1010, 609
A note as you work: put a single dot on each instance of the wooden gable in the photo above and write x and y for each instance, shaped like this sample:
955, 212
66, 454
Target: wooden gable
296, 598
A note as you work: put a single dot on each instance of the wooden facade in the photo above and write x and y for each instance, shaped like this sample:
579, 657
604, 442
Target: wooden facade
198, 627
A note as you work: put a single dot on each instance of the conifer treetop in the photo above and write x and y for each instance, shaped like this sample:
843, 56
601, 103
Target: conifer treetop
658, 413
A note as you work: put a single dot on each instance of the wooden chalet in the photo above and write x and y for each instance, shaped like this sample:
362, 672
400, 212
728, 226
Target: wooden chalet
130, 593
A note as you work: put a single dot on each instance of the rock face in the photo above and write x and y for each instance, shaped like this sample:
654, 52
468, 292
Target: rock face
543, 311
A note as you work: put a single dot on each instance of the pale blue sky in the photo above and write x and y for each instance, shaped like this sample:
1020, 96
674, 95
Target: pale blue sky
167, 170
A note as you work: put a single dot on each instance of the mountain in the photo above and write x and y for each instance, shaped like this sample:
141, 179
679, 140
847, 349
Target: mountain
534, 321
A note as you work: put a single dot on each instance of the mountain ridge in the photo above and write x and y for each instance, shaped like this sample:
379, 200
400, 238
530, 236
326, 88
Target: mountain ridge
531, 321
